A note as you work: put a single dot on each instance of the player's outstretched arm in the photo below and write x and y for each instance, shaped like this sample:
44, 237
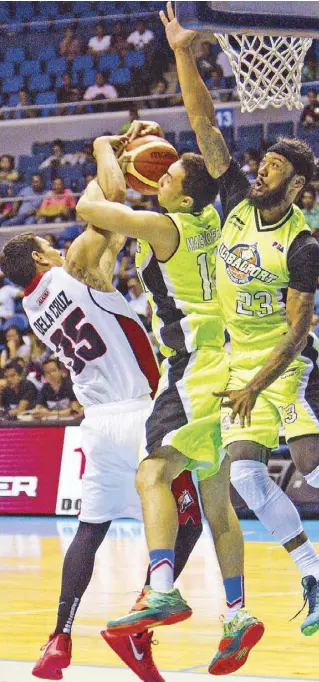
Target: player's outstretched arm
197, 99
299, 311
109, 174
154, 228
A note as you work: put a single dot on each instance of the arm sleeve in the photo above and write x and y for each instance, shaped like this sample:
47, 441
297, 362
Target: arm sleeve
303, 263
234, 187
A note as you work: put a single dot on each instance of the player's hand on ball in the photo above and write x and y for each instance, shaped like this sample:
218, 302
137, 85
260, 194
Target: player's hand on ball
123, 161
142, 128
117, 142
177, 36
241, 403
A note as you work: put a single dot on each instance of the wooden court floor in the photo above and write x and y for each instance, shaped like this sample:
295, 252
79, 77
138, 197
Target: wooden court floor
31, 557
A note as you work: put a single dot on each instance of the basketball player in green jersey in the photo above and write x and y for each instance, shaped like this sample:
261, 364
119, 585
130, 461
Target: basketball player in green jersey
176, 259
267, 266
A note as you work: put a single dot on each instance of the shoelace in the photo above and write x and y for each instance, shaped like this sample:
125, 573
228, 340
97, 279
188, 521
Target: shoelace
148, 657
311, 595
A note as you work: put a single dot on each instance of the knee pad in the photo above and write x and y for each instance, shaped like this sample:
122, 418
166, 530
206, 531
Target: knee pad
263, 496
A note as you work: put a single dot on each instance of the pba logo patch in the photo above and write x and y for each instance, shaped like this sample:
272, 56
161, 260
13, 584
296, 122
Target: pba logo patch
242, 263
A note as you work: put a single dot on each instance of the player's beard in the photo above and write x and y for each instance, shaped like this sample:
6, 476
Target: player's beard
274, 197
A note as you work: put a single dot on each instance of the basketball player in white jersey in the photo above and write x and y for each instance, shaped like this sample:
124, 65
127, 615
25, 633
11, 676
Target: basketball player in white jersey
74, 309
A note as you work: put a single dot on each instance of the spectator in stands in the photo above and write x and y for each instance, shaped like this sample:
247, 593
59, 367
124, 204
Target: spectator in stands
310, 71
7, 169
75, 109
51, 238
223, 62
65, 91
251, 166
100, 90
137, 297
25, 210
56, 396
86, 155
99, 43
310, 113
25, 101
216, 82
15, 346
138, 201
142, 37
133, 115
88, 178
19, 394
8, 296
58, 205
7, 205
160, 88
118, 37
70, 46
58, 158
205, 62
309, 209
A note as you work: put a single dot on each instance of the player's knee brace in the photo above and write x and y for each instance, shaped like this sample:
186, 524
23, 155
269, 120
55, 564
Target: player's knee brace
313, 478
263, 496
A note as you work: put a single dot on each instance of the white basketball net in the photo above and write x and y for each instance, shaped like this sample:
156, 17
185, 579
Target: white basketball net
267, 68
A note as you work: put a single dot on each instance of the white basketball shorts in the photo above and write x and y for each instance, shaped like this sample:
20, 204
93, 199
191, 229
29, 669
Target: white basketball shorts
111, 438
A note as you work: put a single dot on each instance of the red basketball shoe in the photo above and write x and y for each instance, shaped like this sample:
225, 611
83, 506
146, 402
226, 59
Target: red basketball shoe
56, 655
136, 652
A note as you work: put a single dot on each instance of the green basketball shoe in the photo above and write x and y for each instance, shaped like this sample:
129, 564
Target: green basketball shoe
240, 636
152, 609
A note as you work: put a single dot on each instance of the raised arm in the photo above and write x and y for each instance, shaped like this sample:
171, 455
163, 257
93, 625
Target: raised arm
156, 229
109, 174
197, 100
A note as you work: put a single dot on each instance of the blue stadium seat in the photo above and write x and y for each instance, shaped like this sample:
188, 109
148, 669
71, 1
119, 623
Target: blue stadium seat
48, 9
13, 100
39, 83
70, 172
46, 51
4, 12
170, 137
120, 76
83, 62
89, 77
83, 8
57, 65
23, 10
252, 136
30, 67
41, 148
45, 98
135, 59
6, 70
12, 84
28, 163
71, 146
14, 54
109, 61
89, 169
275, 130
186, 136
19, 320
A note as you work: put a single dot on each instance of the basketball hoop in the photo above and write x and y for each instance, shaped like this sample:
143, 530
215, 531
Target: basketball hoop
267, 68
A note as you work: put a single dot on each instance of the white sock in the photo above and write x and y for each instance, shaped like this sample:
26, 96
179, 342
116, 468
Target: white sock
306, 559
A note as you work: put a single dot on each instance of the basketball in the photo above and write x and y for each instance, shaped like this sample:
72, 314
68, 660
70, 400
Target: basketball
151, 156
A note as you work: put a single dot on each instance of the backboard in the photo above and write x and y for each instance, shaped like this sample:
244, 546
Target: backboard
269, 18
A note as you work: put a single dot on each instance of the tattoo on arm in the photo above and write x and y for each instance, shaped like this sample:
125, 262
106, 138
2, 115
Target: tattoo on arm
212, 146
299, 311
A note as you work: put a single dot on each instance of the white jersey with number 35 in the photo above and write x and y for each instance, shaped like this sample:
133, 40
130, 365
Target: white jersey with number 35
95, 334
